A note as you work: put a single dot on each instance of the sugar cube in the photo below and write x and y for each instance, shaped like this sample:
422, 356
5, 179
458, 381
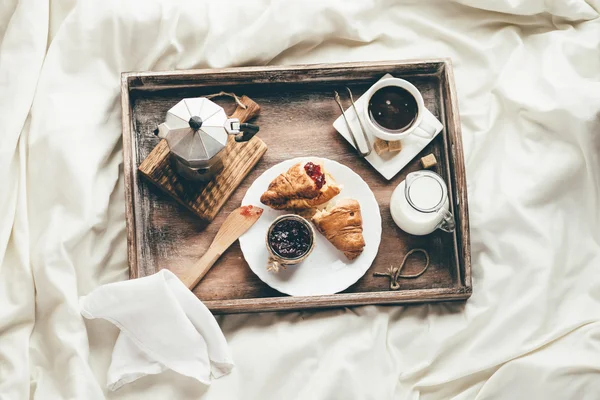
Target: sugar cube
428, 161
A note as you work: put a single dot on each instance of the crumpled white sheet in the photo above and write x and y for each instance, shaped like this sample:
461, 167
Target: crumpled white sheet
528, 82
163, 326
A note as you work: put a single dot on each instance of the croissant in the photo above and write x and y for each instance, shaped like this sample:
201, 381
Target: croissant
296, 190
341, 224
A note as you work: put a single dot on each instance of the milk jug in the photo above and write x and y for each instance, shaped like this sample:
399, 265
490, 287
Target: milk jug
419, 205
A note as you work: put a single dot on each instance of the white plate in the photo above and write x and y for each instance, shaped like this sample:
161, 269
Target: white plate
388, 164
326, 270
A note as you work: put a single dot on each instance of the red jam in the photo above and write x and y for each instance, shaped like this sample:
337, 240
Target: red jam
250, 210
314, 171
290, 239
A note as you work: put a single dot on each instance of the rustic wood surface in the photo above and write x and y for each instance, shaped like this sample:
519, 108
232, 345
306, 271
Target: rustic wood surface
297, 112
206, 199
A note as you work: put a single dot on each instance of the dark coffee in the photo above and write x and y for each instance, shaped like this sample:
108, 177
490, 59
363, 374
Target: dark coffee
393, 108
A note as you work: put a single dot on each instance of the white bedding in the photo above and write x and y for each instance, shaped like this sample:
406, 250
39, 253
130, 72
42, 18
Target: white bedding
528, 82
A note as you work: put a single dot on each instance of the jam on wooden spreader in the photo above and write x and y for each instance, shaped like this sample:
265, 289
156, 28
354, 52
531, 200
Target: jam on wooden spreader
250, 210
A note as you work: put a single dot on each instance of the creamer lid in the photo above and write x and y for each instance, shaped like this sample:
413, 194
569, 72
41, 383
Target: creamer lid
425, 191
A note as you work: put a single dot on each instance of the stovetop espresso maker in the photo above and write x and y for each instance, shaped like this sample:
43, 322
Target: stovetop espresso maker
196, 130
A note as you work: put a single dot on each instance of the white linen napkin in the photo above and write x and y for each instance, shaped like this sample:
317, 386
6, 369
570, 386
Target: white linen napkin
163, 326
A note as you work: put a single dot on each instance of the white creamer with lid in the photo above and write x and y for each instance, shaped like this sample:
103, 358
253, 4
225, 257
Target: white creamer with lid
419, 205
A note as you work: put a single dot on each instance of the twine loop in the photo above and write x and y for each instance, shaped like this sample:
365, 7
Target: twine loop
393, 273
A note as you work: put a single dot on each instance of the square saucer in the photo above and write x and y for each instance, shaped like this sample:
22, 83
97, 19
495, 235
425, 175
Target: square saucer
387, 164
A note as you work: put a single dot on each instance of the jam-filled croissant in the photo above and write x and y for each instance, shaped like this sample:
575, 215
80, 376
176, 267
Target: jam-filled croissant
341, 224
304, 185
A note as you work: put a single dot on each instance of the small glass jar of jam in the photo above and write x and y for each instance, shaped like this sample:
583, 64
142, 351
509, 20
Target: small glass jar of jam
290, 239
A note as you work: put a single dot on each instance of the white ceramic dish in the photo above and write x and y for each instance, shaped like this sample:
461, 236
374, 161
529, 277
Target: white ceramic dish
388, 164
326, 270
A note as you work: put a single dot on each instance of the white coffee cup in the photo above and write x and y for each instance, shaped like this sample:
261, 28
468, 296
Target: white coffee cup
419, 127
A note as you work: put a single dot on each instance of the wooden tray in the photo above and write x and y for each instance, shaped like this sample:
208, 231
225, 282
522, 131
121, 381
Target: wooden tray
297, 112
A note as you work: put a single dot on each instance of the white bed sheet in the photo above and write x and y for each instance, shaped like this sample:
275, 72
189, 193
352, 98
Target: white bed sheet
528, 82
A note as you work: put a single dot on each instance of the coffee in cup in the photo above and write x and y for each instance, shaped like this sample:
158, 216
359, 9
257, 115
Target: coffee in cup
393, 109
